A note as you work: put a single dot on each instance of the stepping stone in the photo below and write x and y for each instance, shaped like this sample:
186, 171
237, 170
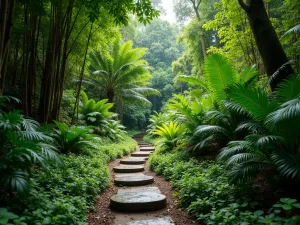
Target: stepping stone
134, 180
128, 168
140, 154
133, 160
140, 189
137, 201
128, 174
159, 221
147, 148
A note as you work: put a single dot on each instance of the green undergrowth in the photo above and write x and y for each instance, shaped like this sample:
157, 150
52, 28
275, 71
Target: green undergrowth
149, 139
204, 189
64, 196
131, 133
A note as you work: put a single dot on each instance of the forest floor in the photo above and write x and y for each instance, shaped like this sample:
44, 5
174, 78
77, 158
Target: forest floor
102, 214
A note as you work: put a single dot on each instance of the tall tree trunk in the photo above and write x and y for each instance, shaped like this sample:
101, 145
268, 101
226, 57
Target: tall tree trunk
268, 44
196, 9
55, 62
81, 76
6, 22
30, 41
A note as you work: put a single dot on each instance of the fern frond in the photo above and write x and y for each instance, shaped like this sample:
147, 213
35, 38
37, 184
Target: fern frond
219, 75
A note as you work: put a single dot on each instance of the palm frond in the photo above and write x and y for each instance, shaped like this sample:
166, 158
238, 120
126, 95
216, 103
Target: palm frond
294, 30
206, 130
253, 101
287, 164
219, 74
192, 81
288, 89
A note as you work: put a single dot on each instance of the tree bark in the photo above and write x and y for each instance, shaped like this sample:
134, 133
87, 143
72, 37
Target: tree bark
196, 9
6, 23
55, 62
267, 41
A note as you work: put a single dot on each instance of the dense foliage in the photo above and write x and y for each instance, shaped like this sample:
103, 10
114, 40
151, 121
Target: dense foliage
219, 92
64, 196
204, 188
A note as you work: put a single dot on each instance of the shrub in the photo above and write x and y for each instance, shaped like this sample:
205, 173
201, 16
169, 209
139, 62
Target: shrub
74, 139
95, 113
21, 147
65, 196
204, 189
171, 135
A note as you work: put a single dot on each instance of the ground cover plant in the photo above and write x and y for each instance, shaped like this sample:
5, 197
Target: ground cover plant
64, 196
205, 190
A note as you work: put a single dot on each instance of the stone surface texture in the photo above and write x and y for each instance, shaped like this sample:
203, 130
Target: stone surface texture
128, 168
159, 221
138, 201
134, 180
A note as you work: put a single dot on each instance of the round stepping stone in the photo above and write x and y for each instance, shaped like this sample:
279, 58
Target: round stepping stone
140, 154
128, 168
158, 221
138, 201
133, 161
134, 180
150, 148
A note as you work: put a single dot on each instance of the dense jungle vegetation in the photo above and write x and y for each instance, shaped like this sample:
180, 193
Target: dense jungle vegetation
218, 91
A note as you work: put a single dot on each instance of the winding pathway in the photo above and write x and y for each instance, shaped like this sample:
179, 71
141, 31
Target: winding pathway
135, 198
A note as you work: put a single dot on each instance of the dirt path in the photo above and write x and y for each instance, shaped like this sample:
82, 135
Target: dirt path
104, 215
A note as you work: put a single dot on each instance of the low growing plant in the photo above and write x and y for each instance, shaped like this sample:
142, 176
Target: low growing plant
73, 139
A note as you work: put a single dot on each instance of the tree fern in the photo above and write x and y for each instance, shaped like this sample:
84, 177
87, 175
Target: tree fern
121, 73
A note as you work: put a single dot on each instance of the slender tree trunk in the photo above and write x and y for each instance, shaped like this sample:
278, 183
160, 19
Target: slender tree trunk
30, 41
81, 76
201, 35
6, 23
268, 44
55, 62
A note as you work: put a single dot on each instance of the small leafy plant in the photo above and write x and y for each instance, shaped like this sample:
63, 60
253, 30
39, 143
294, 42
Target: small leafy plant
22, 147
73, 139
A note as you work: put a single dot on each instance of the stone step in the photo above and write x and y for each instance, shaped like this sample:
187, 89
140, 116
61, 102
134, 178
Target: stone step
128, 174
147, 148
143, 143
138, 200
128, 168
133, 180
158, 221
141, 154
133, 160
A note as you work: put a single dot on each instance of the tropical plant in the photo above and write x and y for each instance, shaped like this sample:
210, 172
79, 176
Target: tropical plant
73, 139
218, 128
95, 113
186, 111
171, 135
121, 74
291, 32
274, 132
114, 130
156, 119
220, 74
22, 147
